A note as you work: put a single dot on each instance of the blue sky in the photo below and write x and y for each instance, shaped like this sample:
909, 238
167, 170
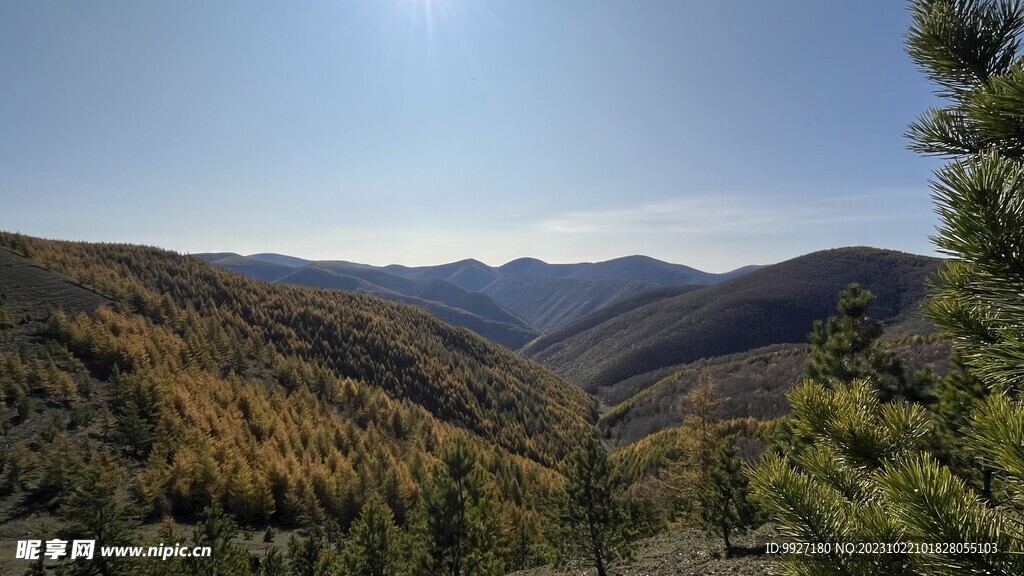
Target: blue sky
714, 134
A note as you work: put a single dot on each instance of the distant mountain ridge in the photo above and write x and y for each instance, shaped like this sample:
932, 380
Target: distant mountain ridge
606, 351
510, 304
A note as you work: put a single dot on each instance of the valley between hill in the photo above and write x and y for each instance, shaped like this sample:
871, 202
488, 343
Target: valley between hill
290, 405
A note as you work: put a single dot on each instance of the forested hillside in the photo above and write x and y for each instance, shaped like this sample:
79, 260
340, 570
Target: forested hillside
442, 298
752, 384
281, 404
773, 305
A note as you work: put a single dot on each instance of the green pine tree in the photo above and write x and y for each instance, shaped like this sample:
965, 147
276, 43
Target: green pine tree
830, 492
726, 508
371, 549
590, 514
167, 535
460, 523
958, 395
971, 50
94, 510
845, 348
272, 564
869, 476
312, 555
217, 530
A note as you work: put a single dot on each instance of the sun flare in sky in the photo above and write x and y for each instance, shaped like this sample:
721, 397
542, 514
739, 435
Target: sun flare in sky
431, 14
713, 134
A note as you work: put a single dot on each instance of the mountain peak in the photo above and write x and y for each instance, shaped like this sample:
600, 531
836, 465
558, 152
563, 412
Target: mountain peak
282, 259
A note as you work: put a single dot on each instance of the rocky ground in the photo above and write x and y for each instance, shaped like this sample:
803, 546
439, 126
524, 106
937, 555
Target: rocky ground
685, 553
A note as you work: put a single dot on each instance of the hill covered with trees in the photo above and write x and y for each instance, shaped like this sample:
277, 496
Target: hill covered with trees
180, 386
773, 305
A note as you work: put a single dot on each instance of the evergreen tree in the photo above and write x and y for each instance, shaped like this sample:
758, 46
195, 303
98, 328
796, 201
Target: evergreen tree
845, 348
371, 547
868, 477
167, 535
459, 518
726, 508
137, 405
216, 531
831, 491
312, 555
971, 50
958, 395
94, 510
272, 564
525, 545
590, 515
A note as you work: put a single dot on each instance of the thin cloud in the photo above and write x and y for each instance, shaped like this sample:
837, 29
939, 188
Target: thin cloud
724, 214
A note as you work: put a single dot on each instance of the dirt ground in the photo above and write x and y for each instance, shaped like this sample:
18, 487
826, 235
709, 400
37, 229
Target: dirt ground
685, 553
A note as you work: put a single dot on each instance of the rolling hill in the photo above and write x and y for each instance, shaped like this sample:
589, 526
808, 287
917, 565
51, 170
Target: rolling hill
161, 385
752, 384
772, 305
453, 374
446, 300
509, 305
467, 274
547, 303
633, 268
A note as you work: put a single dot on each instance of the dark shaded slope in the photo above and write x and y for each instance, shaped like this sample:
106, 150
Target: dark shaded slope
547, 303
31, 292
776, 304
445, 300
752, 384
605, 314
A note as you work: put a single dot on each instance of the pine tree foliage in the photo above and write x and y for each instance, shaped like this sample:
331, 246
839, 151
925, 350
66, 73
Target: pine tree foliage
726, 508
372, 547
590, 515
958, 395
310, 556
217, 531
971, 49
846, 348
460, 525
869, 477
831, 494
930, 504
94, 510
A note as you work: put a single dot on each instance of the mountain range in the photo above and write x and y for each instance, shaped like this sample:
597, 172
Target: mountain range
510, 304
616, 328
609, 352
